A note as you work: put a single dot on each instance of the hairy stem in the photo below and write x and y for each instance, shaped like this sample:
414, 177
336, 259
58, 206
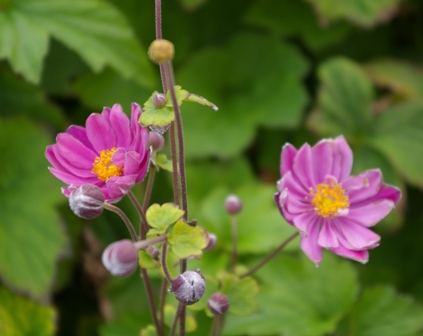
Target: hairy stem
124, 218
269, 256
142, 244
164, 263
143, 223
149, 188
151, 304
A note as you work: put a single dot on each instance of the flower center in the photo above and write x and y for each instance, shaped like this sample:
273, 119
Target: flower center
103, 166
329, 200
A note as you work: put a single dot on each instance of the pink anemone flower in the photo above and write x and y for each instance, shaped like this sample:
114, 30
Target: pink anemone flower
330, 208
110, 152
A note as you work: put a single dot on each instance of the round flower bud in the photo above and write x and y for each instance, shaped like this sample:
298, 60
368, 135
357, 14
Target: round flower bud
233, 205
159, 100
153, 252
161, 51
87, 201
218, 304
120, 258
189, 287
156, 141
212, 241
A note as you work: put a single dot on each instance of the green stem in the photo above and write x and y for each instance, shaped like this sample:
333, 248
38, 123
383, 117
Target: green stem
269, 256
142, 244
164, 263
124, 218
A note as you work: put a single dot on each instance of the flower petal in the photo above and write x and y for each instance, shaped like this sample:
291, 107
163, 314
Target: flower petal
132, 163
287, 158
360, 256
327, 236
309, 244
342, 158
322, 157
359, 237
100, 133
374, 182
74, 151
302, 167
80, 133
305, 221
72, 179
370, 214
120, 123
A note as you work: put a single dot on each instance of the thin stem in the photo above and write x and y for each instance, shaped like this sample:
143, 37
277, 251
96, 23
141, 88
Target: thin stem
150, 299
163, 293
234, 242
158, 11
182, 317
164, 263
124, 218
269, 256
140, 211
142, 244
149, 188
175, 320
175, 168
216, 325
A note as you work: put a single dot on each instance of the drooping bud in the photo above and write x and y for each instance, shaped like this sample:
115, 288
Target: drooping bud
212, 241
87, 201
189, 287
161, 51
156, 141
233, 205
153, 251
218, 304
159, 100
120, 258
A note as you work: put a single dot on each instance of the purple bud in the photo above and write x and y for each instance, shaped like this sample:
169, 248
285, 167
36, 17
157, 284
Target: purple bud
218, 304
87, 201
153, 251
189, 287
156, 141
120, 258
159, 100
233, 205
212, 241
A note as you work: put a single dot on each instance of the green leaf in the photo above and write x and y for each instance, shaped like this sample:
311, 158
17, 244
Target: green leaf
403, 78
93, 28
20, 316
361, 12
150, 330
192, 4
161, 217
344, 100
145, 260
381, 311
241, 294
296, 298
170, 311
398, 135
293, 18
163, 162
130, 324
31, 235
186, 240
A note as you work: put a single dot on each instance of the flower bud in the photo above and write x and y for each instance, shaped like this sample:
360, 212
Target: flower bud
189, 287
153, 252
156, 141
212, 241
87, 201
120, 258
233, 205
161, 51
159, 100
218, 304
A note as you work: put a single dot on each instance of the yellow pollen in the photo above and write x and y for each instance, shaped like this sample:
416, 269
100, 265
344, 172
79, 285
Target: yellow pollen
103, 166
329, 199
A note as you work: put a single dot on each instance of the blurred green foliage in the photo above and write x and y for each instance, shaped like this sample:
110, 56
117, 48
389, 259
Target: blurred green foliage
292, 70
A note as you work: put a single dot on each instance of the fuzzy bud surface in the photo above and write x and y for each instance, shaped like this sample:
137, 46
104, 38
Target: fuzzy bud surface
189, 287
161, 51
87, 201
218, 304
120, 258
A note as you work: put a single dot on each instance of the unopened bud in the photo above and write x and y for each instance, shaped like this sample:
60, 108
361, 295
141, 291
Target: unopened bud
87, 201
233, 205
156, 141
189, 287
120, 258
161, 51
159, 100
218, 304
153, 252
212, 241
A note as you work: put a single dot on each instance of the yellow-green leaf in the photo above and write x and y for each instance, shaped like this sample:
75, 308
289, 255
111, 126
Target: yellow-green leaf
186, 240
160, 217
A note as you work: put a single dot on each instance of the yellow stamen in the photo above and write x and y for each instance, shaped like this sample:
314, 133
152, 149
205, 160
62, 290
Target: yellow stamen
329, 199
103, 166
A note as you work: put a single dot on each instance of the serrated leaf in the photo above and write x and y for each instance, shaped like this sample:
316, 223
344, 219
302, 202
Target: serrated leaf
190, 322
398, 135
31, 235
186, 240
163, 162
241, 294
20, 316
297, 298
361, 12
344, 100
381, 311
160, 217
200, 100
82, 25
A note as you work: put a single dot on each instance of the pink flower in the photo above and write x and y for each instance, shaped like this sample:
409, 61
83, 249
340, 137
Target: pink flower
330, 208
110, 152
